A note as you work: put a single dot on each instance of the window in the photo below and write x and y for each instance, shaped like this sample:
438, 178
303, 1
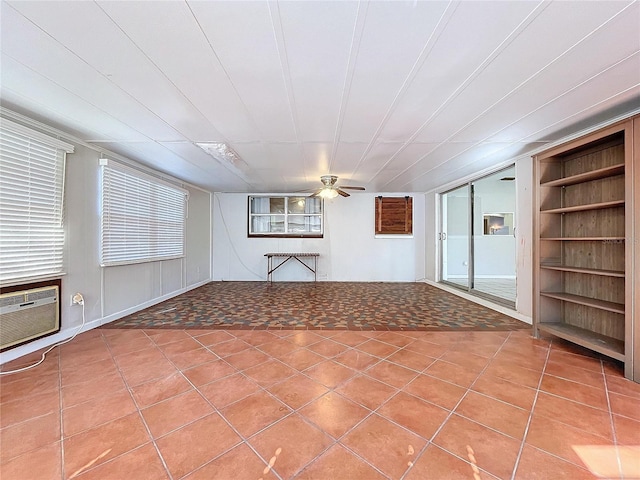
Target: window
31, 204
285, 216
142, 217
394, 215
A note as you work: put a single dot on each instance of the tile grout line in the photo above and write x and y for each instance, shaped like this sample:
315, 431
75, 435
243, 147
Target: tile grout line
613, 425
139, 411
451, 412
215, 410
533, 406
60, 404
331, 390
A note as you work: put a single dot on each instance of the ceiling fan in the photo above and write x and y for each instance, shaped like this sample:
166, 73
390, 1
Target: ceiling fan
330, 189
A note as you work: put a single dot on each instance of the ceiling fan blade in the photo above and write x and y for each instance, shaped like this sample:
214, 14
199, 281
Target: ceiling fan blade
316, 193
344, 194
351, 188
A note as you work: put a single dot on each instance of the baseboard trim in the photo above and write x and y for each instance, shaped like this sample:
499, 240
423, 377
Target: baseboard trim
481, 301
67, 333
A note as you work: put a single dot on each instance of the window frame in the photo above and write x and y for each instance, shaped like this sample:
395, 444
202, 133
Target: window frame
124, 239
286, 215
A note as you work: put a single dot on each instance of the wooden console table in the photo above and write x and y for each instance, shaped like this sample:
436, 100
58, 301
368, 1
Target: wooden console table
289, 256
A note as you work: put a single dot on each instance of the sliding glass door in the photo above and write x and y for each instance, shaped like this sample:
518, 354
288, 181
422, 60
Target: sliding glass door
455, 236
477, 238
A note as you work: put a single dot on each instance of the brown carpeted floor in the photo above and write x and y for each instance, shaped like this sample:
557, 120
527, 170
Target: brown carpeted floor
322, 305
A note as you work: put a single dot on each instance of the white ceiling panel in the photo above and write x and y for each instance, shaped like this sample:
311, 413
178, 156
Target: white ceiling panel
317, 44
253, 54
542, 79
410, 25
476, 158
434, 157
374, 161
54, 62
108, 50
211, 170
160, 159
530, 52
474, 32
55, 103
347, 156
396, 96
590, 93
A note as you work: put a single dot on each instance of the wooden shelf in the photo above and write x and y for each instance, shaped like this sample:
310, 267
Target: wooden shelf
582, 208
586, 177
589, 271
606, 345
586, 301
585, 209
586, 239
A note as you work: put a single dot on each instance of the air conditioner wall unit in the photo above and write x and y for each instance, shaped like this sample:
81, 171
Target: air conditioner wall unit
26, 315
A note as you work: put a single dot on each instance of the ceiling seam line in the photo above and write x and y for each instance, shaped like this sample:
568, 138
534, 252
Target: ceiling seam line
354, 50
144, 107
278, 33
158, 69
92, 68
480, 142
424, 54
523, 139
467, 81
135, 100
515, 89
226, 73
184, 96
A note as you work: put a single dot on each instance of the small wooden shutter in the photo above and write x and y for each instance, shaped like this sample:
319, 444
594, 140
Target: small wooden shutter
394, 215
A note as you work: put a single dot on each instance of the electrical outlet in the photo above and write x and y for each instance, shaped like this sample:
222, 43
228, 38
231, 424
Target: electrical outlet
77, 299
71, 302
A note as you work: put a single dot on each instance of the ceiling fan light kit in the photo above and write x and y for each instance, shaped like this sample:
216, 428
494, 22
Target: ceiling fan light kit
328, 192
330, 189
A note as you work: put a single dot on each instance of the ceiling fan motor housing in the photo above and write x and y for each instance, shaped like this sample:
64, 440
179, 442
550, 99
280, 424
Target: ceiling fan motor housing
328, 180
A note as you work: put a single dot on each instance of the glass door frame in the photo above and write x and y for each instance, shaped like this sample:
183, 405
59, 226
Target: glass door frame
443, 237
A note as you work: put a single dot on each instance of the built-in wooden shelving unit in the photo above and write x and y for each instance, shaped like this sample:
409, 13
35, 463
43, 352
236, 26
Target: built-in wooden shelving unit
584, 256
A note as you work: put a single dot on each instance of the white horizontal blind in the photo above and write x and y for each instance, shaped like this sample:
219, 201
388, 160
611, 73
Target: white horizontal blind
31, 204
142, 218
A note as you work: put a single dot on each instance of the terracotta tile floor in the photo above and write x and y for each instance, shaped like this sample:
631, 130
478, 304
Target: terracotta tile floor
203, 404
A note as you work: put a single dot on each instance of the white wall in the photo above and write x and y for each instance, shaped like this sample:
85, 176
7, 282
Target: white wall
349, 250
524, 236
113, 292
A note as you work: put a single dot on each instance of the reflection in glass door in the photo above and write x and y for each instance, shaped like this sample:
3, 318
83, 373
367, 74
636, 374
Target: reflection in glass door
494, 241
479, 256
455, 236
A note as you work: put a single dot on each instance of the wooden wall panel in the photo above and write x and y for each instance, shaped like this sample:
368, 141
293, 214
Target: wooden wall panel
394, 215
